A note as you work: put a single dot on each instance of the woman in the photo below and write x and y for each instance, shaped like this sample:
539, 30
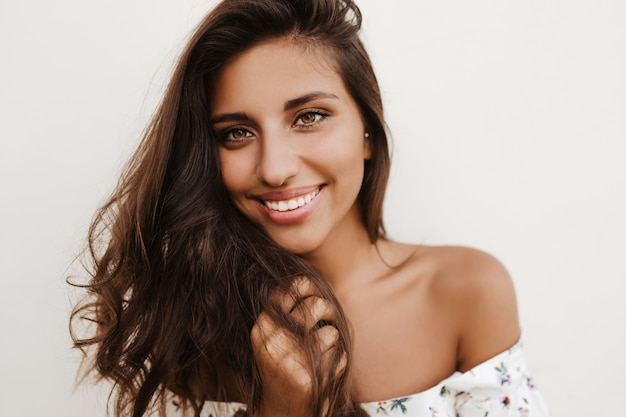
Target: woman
241, 266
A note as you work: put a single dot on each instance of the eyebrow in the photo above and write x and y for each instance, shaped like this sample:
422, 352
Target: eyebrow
306, 98
228, 117
290, 104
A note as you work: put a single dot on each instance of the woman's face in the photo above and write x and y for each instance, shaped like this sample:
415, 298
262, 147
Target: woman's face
292, 145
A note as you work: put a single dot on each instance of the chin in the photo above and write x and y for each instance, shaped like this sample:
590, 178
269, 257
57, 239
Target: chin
300, 250
296, 246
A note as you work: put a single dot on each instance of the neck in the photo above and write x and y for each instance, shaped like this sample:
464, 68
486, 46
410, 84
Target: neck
347, 258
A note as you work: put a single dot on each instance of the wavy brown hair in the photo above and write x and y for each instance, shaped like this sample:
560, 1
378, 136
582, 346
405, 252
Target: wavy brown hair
178, 276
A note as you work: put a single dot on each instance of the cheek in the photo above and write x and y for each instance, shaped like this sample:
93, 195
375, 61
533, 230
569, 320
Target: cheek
345, 165
350, 156
233, 171
344, 143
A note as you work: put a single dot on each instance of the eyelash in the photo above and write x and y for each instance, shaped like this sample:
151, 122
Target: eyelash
224, 136
323, 116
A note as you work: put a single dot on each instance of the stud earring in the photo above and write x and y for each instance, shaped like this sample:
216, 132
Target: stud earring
367, 135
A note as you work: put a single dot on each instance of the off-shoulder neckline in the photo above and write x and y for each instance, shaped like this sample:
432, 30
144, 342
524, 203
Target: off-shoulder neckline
457, 374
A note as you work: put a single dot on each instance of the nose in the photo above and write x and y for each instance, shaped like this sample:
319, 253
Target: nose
278, 160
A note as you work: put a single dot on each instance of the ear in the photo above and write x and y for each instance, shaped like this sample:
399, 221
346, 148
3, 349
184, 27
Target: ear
367, 146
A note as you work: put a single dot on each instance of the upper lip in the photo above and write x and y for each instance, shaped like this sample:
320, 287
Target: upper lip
287, 194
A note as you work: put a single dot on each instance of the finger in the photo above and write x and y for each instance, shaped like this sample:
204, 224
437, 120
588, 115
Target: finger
342, 365
313, 313
272, 342
278, 354
270, 339
328, 340
300, 289
263, 326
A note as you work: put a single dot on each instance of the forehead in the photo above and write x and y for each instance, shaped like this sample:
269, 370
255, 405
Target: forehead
280, 69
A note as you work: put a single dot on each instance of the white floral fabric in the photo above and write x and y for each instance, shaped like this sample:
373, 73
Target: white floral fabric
498, 387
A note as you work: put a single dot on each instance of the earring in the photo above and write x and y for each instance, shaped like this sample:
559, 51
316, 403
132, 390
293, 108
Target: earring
367, 135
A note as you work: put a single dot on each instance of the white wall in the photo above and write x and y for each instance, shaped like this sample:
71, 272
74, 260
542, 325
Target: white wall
509, 123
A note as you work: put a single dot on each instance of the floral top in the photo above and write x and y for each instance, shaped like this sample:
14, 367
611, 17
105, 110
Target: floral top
498, 387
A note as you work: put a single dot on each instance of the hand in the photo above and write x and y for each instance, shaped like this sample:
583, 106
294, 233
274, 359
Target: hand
282, 361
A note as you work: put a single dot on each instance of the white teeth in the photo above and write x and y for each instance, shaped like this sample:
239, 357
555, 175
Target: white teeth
294, 203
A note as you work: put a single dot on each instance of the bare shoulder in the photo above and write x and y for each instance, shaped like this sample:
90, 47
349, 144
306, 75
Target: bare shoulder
477, 289
471, 271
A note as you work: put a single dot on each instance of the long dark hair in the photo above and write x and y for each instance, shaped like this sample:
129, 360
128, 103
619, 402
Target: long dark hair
178, 274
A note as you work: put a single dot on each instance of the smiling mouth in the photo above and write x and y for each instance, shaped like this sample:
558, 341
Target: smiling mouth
292, 203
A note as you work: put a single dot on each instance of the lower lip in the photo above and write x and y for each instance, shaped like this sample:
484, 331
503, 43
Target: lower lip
291, 216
